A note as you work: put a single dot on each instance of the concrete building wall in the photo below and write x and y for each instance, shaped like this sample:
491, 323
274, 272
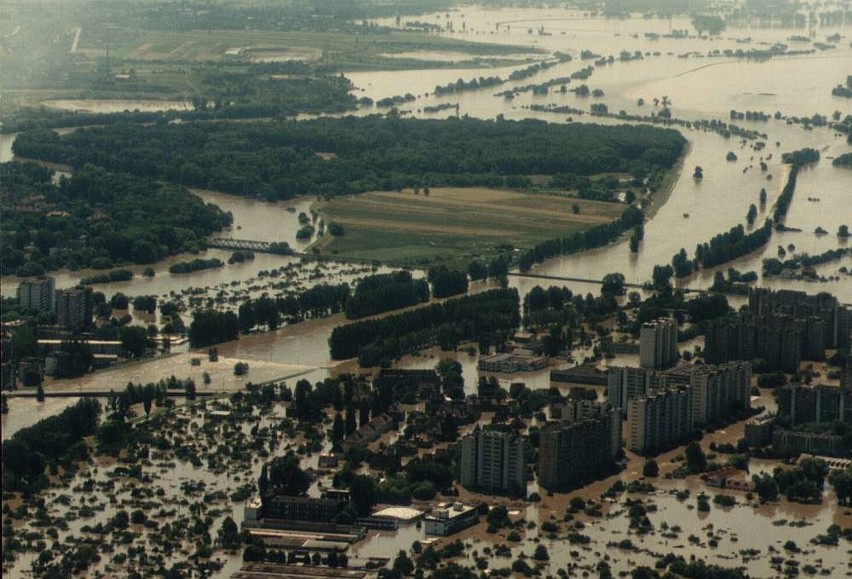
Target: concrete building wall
625, 384
74, 307
658, 343
38, 294
659, 421
493, 460
572, 453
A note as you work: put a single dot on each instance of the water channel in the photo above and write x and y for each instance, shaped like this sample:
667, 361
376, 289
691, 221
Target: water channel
700, 87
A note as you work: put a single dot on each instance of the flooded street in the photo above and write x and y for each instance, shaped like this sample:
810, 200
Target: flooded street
203, 458
691, 215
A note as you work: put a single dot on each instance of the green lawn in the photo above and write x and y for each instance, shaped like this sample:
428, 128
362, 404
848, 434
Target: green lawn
453, 226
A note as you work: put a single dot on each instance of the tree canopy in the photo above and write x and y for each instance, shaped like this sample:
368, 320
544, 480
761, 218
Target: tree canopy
278, 160
96, 219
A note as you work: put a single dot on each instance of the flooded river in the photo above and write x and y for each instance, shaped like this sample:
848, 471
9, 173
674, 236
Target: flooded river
700, 86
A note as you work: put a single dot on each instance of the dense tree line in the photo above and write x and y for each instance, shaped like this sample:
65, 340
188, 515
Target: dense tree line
595, 237
197, 264
445, 324
498, 267
74, 359
325, 15
736, 282
773, 266
800, 157
319, 301
111, 276
805, 482
462, 85
707, 307
726, 247
262, 310
385, 292
210, 327
844, 160
96, 219
277, 160
60, 437
552, 298
786, 196
224, 95
447, 282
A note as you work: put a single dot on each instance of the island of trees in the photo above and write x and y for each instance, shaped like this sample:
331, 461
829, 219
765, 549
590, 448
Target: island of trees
278, 160
844, 160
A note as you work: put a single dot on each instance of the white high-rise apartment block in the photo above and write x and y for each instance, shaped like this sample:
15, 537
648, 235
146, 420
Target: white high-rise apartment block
658, 343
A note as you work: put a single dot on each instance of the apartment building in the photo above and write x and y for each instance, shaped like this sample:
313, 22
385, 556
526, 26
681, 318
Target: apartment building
493, 460
717, 389
74, 307
625, 384
658, 343
659, 421
37, 294
573, 453
815, 403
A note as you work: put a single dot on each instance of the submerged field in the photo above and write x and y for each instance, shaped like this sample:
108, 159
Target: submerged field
367, 50
453, 225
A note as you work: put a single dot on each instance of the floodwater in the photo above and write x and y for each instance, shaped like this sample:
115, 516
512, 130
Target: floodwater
116, 105
700, 86
253, 219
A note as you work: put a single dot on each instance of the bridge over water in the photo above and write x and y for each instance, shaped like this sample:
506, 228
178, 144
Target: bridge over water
267, 247
594, 281
243, 244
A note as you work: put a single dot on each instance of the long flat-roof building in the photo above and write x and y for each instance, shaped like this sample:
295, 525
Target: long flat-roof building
787, 442
815, 403
449, 519
301, 508
505, 363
